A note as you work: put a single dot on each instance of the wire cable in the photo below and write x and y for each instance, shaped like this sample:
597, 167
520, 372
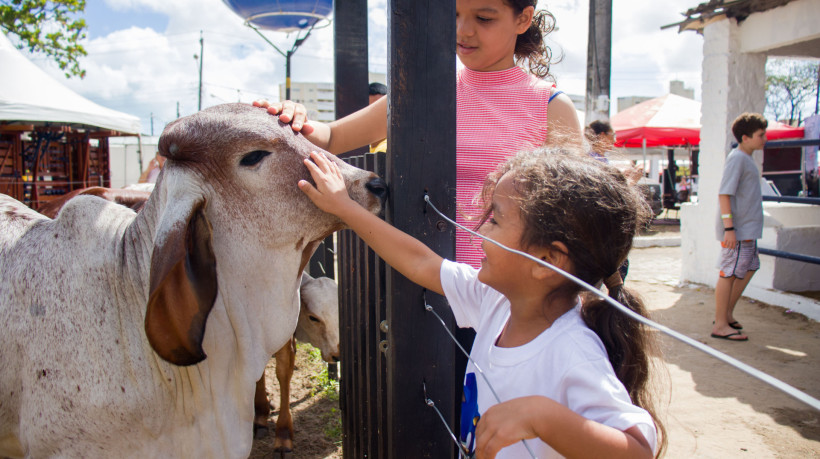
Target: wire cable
772, 381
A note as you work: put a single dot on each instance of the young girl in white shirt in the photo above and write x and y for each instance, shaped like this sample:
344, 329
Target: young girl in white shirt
571, 373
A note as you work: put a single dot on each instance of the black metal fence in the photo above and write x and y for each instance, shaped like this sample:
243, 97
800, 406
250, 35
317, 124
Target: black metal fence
363, 326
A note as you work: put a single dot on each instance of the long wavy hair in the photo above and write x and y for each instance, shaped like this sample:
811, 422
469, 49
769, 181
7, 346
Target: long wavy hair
531, 47
566, 196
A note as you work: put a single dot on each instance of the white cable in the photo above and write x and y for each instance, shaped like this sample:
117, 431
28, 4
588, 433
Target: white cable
429, 308
772, 381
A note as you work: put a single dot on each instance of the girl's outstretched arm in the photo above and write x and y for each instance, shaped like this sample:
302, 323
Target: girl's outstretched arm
358, 129
403, 252
567, 432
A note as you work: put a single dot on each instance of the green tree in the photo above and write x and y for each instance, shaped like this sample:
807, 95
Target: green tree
50, 27
791, 86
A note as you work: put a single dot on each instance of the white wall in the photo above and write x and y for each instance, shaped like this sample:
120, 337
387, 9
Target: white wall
733, 83
125, 158
795, 22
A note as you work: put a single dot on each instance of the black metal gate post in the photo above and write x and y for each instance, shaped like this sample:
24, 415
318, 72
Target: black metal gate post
392, 348
351, 80
420, 160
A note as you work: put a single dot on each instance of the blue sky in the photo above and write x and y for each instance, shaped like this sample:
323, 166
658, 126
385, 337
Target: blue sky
102, 19
141, 54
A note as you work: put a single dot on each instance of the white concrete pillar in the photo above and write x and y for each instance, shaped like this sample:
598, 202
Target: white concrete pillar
733, 83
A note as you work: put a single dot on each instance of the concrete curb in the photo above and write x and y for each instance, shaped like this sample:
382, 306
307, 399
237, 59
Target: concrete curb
656, 241
788, 301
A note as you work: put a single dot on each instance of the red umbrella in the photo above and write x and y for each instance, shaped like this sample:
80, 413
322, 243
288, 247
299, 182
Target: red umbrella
669, 120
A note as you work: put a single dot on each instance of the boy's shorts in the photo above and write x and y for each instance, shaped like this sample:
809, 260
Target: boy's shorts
739, 260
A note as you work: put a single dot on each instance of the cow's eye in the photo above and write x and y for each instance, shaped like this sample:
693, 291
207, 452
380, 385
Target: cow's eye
313, 318
253, 158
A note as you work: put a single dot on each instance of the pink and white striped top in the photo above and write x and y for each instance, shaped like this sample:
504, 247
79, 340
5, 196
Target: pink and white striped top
498, 114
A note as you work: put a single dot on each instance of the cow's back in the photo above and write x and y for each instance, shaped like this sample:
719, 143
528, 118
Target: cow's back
61, 282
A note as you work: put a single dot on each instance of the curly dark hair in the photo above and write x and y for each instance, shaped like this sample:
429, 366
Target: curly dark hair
566, 196
530, 46
747, 124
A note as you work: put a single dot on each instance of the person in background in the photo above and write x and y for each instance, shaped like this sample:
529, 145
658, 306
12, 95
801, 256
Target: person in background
376, 92
739, 223
150, 174
682, 188
601, 138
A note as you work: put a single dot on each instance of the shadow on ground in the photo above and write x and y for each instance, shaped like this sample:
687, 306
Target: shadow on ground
714, 408
782, 345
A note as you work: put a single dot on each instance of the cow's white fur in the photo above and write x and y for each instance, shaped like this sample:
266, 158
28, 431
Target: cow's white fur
78, 377
319, 316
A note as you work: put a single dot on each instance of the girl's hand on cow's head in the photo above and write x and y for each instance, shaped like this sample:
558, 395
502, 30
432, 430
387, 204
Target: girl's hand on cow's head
289, 112
330, 193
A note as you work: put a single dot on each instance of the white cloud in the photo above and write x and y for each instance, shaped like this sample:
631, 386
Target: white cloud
644, 57
141, 70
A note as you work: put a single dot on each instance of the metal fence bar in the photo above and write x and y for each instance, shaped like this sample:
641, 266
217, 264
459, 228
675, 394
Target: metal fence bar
346, 304
792, 199
362, 308
792, 143
380, 375
359, 386
790, 256
370, 338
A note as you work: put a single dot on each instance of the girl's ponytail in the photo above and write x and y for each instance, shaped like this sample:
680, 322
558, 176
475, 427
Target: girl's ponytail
629, 345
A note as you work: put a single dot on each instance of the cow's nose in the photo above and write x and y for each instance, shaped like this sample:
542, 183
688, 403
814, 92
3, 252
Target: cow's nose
335, 358
378, 187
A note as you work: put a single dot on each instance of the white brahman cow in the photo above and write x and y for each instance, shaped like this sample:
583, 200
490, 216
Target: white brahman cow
143, 335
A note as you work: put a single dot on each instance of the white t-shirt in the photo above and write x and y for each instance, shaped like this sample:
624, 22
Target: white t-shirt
567, 362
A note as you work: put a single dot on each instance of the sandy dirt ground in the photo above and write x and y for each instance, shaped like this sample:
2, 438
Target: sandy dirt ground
714, 410
711, 409
316, 416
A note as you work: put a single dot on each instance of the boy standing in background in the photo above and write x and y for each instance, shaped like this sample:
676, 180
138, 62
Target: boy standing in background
740, 223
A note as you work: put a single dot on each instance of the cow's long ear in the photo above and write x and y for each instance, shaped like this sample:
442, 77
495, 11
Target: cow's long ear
183, 286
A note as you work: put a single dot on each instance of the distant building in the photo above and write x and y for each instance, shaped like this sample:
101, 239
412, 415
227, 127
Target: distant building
676, 87
577, 101
318, 98
626, 102
377, 78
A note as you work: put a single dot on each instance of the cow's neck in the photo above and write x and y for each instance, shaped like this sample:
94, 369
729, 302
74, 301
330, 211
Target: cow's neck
245, 327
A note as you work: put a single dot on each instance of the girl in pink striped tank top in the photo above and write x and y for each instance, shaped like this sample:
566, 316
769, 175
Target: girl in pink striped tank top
501, 108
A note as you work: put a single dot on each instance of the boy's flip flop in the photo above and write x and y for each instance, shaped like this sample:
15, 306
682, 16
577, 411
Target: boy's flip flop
729, 337
736, 325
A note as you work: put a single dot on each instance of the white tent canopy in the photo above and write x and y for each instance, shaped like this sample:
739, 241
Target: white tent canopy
30, 95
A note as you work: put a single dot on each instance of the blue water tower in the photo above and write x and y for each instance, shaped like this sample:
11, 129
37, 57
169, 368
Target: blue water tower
283, 16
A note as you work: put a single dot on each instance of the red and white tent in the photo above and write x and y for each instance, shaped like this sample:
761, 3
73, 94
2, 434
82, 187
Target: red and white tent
778, 130
672, 121
29, 95
669, 120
